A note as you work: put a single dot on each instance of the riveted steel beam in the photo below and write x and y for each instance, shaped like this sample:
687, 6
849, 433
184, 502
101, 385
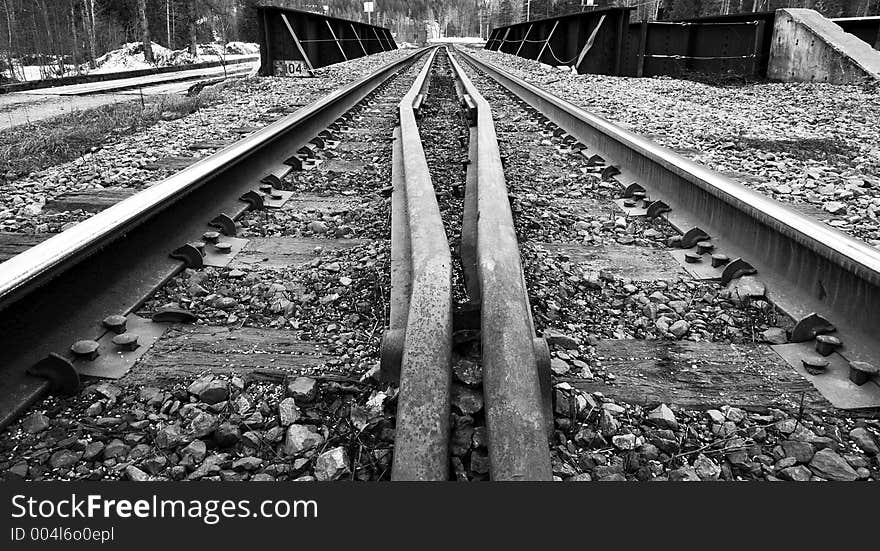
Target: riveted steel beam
294, 42
604, 41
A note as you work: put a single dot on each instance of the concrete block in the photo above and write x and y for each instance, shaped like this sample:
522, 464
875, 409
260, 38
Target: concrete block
807, 47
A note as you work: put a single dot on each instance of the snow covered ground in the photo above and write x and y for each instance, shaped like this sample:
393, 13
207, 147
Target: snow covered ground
130, 57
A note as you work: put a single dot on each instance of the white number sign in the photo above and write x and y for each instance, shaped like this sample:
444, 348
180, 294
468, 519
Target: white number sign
291, 68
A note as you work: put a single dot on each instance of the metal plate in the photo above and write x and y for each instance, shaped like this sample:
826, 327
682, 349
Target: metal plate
701, 270
113, 363
631, 211
834, 384
269, 202
290, 68
220, 260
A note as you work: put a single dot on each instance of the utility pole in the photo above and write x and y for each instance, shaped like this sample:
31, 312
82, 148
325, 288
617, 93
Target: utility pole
168, 22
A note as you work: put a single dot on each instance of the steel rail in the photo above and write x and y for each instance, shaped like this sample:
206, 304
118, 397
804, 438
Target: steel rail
809, 267
113, 261
422, 308
515, 409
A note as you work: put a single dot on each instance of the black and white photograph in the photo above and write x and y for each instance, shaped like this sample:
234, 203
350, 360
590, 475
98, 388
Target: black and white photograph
356, 244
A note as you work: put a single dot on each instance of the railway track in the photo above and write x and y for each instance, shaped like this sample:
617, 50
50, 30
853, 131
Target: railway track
422, 307
502, 207
808, 267
113, 261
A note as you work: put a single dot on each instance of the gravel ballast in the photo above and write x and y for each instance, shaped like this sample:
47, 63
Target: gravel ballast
328, 421
335, 420
814, 145
559, 199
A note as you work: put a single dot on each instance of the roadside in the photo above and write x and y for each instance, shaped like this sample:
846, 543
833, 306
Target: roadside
76, 131
26, 107
20, 109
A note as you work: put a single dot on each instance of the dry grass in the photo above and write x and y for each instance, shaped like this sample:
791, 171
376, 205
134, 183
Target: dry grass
48, 142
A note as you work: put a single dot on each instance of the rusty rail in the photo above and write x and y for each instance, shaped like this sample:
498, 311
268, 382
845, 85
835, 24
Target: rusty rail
516, 415
418, 344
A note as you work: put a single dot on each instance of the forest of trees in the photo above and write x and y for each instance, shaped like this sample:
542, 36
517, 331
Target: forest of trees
61, 35
683, 9
73, 32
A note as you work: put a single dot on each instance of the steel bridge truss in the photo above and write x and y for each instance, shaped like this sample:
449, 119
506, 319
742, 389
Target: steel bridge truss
295, 43
606, 42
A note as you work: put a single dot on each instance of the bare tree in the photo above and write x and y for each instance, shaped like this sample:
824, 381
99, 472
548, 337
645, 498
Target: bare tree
50, 47
145, 31
192, 22
89, 19
10, 29
74, 37
168, 23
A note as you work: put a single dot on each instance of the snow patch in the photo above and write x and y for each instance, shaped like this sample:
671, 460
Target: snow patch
130, 56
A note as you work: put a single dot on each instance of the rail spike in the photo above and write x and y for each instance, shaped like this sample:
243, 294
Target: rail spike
190, 255
809, 326
657, 208
735, 269
63, 377
224, 223
254, 200
692, 237
609, 172
272, 180
632, 189
295, 162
